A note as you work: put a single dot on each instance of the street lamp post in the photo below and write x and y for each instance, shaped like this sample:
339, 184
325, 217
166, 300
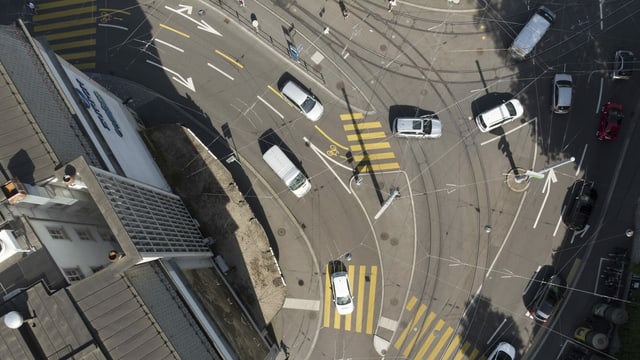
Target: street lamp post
518, 179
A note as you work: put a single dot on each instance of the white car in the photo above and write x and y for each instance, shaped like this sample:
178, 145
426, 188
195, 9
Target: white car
303, 100
426, 126
623, 65
504, 351
500, 115
341, 291
562, 92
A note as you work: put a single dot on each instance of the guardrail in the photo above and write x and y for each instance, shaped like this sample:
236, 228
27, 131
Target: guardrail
267, 38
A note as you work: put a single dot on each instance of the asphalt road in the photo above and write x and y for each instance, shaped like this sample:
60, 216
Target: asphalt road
452, 254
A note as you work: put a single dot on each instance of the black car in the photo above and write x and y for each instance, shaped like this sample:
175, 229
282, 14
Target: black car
539, 277
583, 198
547, 298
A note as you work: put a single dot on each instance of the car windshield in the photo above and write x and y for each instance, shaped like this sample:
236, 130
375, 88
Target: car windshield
343, 300
501, 355
308, 104
482, 121
511, 109
297, 182
615, 115
564, 83
427, 126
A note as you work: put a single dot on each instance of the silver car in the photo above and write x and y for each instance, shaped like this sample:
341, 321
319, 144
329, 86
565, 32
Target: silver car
303, 100
562, 93
426, 126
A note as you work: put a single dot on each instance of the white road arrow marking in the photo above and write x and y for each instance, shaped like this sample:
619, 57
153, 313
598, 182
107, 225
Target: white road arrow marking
581, 233
187, 8
188, 82
546, 190
202, 25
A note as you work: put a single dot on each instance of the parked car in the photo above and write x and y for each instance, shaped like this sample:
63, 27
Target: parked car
504, 351
341, 291
547, 298
539, 277
583, 199
562, 93
426, 126
623, 65
303, 100
500, 115
610, 121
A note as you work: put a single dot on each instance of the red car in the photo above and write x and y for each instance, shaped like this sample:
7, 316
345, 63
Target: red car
610, 121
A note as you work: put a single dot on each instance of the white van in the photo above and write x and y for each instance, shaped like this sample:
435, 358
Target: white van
287, 171
532, 33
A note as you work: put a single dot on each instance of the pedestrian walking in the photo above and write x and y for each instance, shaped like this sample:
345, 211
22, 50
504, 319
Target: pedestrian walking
392, 4
345, 13
32, 7
242, 4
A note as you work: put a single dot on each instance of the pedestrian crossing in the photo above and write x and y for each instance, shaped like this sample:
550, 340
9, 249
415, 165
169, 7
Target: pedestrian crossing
428, 338
363, 281
70, 28
367, 144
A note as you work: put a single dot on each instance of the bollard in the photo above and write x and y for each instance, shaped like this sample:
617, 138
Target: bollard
613, 314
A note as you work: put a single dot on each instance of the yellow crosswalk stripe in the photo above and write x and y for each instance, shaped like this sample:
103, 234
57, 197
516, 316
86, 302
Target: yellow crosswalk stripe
419, 334
409, 327
474, 353
327, 299
362, 126
347, 318
371, 146
412, 302
85, 66
461, 352
375, 156
64, 13
71, 34
55, 4
352, 116
79, 55
378, 167
360, 298
452, 347
74, 44
367, 136
430, 339
443, 340
64, 24
373, 278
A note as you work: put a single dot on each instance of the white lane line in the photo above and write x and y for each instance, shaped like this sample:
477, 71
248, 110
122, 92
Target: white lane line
599, 96
387, 323
557, 225
496, 332
584, 152
114, 26
301, 304
270, 107
169, 45
508, 132
601, 17
220, 71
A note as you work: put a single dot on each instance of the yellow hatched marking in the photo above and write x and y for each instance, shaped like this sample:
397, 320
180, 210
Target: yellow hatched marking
167, 27
412, 302
327, 299
376, 156
55, 4
347, 318
474, 353
452, 347
462, 351
64, 24
443, 339
378, 167
360, 298
361, 126
65, 13
74, 44
430, 339
367, 136
330, 139
230, 59
80, 55
373, 277
419, 335
409, 327
112, 11
352, 116
85, 66
372, 146
71, 34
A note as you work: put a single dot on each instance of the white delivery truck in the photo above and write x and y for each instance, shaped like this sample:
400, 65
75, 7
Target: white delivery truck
287, 171
532, 33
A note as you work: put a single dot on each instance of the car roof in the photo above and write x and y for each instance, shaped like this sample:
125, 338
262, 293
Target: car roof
294, 92
340, 281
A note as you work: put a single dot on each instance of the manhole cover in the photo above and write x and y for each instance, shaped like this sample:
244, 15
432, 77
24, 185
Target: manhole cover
282, 232
384, 236
394, 301
394, 241
383, 47
300, 282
